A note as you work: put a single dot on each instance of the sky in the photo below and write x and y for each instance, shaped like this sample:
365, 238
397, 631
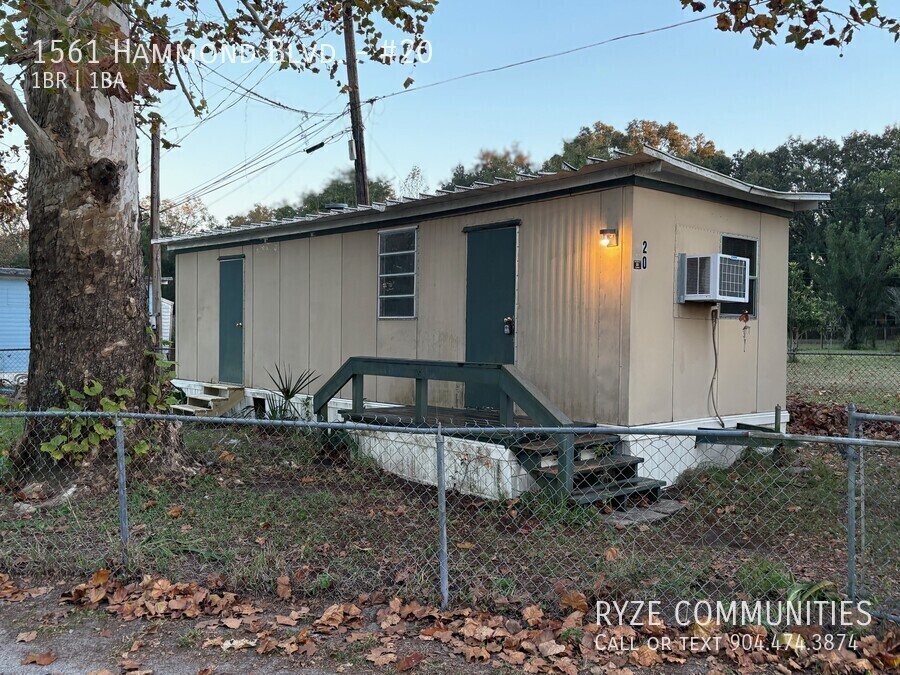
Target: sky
701, 79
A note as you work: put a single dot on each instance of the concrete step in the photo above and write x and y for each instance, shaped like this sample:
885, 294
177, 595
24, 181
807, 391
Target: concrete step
204, 399
189, 410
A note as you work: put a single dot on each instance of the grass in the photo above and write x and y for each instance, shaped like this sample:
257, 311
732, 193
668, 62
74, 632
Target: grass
869, 381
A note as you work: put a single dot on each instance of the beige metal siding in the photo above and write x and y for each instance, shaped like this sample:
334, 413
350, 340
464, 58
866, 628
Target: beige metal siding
772, 378
605, 342
324, 318
294, 305
186, 329
674, 385
359, 299
313, 303
263, 322
207, 315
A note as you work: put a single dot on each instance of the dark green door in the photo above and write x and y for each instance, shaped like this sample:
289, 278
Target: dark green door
490, 305
231, 320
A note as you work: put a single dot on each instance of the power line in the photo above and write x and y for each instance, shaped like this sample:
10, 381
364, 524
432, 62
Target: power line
555, 55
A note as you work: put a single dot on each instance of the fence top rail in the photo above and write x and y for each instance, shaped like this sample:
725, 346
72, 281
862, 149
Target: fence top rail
636, 431
804, 352
873, 417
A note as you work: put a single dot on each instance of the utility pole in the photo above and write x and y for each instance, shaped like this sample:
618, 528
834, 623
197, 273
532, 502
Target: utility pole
359, 145
155, 257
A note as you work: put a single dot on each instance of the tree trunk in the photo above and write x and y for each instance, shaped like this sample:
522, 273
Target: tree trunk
89, 309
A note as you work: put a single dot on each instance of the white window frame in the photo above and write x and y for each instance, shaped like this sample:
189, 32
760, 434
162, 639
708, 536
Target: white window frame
415, 274
754, 277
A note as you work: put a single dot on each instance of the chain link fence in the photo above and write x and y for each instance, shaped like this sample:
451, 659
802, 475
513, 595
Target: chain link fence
13, 372
875, 525
478, 515
870, 380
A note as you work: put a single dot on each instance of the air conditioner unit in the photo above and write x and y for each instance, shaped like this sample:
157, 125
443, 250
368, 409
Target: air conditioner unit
713, 278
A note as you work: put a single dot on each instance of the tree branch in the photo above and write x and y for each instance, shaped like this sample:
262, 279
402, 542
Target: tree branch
71, 20
40, 140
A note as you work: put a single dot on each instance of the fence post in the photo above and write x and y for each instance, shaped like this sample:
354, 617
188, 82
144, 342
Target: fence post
777, 418
123, 494
442, 520
851, 504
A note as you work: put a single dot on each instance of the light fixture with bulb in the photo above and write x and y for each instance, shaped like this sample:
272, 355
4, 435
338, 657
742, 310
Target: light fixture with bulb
609, 238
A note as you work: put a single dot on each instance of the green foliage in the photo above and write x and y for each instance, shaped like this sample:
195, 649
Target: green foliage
280, 404
852, 271
759, 578
601, 139
340, 189
491, 165
78, 436
807, 310
803, 22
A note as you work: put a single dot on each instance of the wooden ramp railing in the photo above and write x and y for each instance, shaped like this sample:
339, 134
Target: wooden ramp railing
514, 389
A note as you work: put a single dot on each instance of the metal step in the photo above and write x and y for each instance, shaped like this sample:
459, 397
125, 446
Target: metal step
547, 446
189, 410
619, 492
597, 465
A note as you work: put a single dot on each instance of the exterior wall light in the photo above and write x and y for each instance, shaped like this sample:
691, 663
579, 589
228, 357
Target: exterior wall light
609, 238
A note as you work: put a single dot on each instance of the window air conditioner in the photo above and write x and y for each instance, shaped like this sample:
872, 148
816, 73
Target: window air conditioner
713, 278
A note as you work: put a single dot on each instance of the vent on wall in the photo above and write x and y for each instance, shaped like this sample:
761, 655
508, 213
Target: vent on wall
713, 278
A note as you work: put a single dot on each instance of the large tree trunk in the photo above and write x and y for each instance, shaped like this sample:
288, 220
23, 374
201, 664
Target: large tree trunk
88, 293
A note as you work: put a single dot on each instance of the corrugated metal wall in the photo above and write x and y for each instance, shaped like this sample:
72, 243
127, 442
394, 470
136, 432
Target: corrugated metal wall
15, 326
311, 303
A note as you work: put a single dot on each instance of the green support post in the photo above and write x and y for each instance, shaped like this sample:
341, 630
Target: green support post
507, 418
358, 393
421, 400
566, 461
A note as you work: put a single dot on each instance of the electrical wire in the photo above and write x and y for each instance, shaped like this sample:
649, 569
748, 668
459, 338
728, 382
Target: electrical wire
555, 55
711, 396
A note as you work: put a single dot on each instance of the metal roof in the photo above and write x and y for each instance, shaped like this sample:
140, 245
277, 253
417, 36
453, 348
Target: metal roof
649, 162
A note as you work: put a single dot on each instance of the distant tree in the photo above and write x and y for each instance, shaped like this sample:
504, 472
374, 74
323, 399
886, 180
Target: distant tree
340, 189
258, 214
852, 271
13, 243
601, 139
174, 219
491, 164
807, 310
414, 184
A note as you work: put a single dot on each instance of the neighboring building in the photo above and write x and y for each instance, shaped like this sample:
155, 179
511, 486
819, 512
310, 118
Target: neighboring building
514, 272
15, 325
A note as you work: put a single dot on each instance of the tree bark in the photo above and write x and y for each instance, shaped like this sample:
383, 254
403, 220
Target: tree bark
89, 309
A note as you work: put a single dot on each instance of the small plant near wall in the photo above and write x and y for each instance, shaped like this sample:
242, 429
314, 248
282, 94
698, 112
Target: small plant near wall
280, 403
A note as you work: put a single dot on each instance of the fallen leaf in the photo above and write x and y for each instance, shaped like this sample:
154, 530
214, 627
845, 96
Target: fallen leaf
466, 545
645, 656
285, 620
574, 600
284, 588
232, 622
381, 656
612, 554
26, 637
409, 662
533, 615
44, 659
176, 511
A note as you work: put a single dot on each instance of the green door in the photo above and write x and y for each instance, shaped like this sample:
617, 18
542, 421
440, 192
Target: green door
231, 320
490, 305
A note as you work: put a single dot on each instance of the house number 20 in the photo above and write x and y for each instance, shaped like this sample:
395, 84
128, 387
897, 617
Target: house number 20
644, 257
